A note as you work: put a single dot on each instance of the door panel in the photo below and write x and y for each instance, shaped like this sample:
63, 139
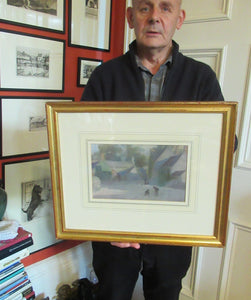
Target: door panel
217, 32
224, 273
207, 10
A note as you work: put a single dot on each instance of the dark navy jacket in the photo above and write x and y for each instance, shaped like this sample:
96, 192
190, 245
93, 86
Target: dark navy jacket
120, 80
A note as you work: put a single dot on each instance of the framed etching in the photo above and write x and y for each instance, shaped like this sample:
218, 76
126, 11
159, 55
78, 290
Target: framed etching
45, 15
31, 63
24, 126
85, 68
89, 24
28, 185
159, 165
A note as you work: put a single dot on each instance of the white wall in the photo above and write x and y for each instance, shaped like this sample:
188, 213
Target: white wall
49, 274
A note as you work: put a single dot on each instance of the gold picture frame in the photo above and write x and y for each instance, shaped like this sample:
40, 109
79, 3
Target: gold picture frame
147, 172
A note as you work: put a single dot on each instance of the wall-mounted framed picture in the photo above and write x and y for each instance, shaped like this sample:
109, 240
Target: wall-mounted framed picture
24, 125
45, 15
85, 68
28, 186
89, 24
158, 164
30, 62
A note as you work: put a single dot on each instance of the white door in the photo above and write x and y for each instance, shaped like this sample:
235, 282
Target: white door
218, 32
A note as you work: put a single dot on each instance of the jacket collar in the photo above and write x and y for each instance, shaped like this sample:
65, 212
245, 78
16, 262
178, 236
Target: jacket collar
175, 50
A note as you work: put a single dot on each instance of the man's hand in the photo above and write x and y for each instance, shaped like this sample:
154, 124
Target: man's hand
126, 245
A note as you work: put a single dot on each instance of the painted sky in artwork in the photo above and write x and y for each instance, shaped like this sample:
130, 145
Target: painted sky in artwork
138, 171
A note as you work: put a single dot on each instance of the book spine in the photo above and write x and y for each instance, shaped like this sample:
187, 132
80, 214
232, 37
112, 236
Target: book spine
15, 248
22, 235
13, 284
20, 293
11, 273
16, 297
14, 267
14, 258
11, 278
17, 289
29, 296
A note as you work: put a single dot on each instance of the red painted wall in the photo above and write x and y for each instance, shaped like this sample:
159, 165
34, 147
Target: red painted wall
71, 57
72, 53
70, 80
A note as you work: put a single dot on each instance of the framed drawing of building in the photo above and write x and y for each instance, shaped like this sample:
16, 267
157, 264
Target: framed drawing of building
31, 63
41, 14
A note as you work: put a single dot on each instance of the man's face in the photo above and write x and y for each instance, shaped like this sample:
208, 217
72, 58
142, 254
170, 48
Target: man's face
155, 21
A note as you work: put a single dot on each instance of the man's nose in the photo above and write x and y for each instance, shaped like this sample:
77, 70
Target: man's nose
154, 16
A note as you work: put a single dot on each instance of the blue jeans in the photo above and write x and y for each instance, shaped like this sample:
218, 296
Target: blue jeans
162, 268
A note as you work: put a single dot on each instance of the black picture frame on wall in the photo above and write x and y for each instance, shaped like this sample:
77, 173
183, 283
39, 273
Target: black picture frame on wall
31, 63
24, 125
85, 68
23, 181
44, 15
90, 25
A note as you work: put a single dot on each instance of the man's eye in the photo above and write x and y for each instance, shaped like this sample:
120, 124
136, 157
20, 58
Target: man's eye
144, 9
166, 8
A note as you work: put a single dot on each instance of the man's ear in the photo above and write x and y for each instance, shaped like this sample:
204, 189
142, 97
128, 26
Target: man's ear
129, 16
181, 19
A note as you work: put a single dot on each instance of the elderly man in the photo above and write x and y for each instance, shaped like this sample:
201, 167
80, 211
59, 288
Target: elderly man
152, 70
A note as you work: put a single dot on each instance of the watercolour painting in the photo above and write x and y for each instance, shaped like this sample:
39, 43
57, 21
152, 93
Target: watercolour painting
134, 171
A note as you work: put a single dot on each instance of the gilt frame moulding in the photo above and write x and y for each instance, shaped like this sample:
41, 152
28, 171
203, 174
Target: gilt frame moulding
34, 15
178, 167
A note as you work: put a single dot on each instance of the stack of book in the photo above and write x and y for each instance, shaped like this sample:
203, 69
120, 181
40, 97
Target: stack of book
14, 281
